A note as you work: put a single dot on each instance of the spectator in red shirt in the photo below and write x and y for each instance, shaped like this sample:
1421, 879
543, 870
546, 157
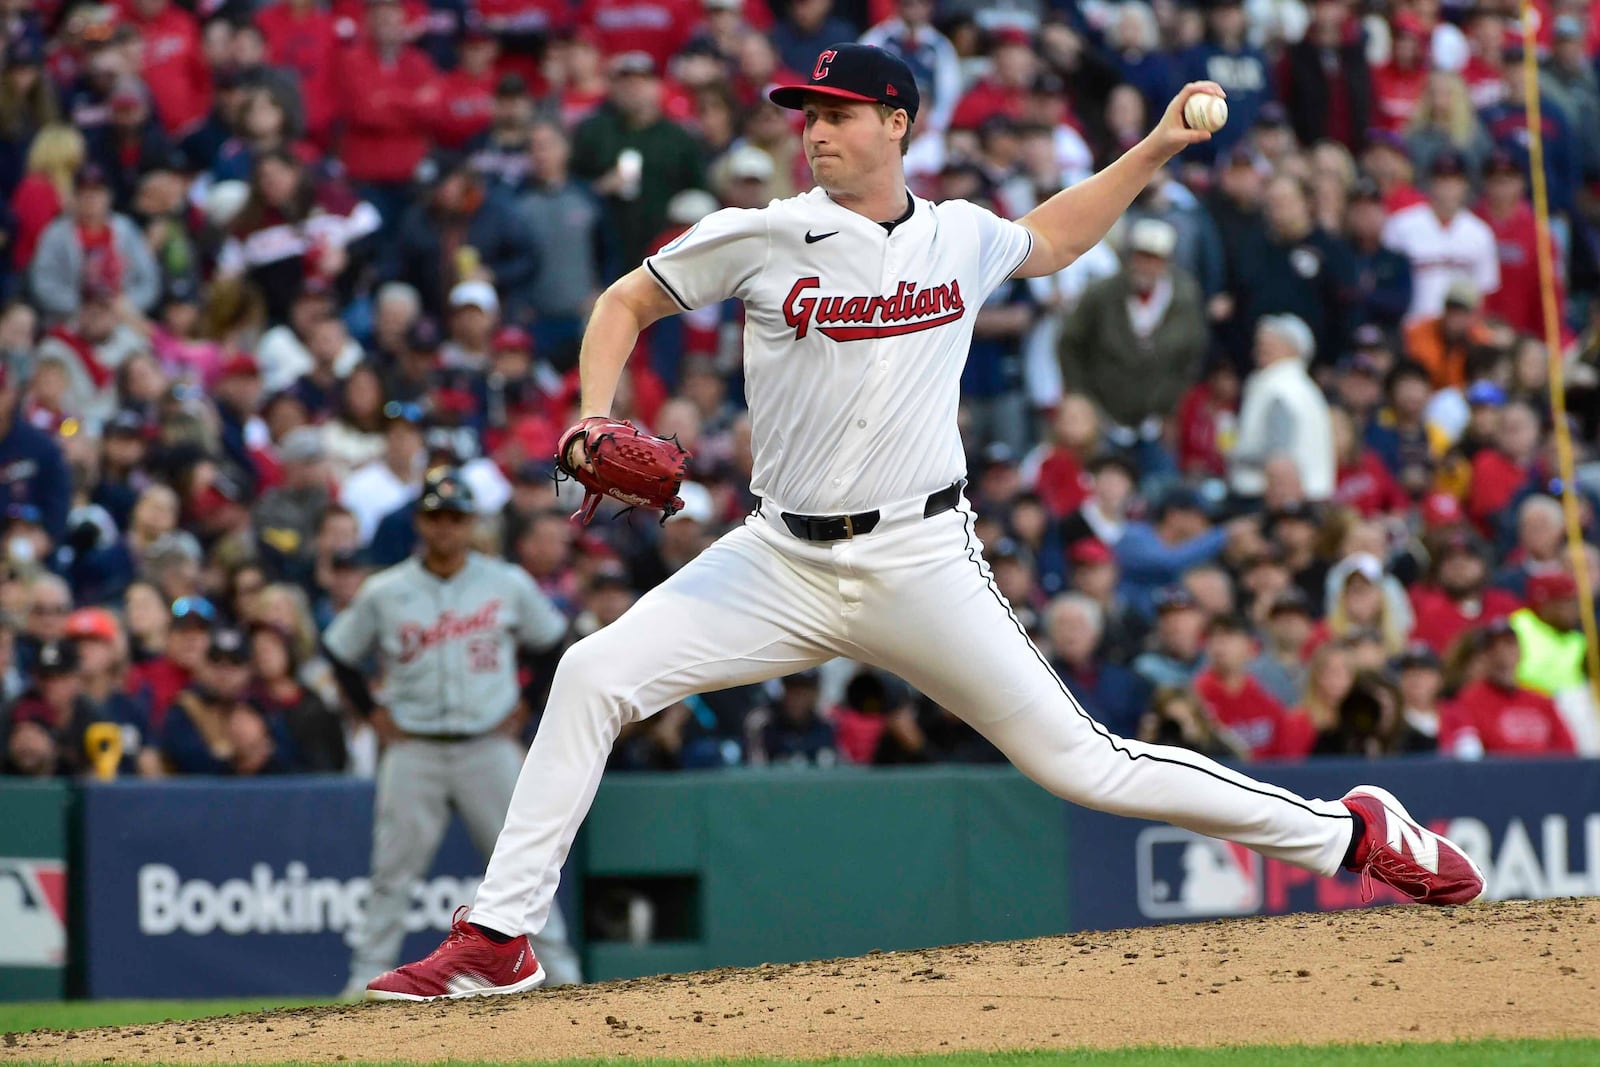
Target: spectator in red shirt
1499, 472
175, 67
1207, 419
1399, 83
1458, 598
1238, 701
466, 94
1519, 300
1485, 69
1330, 676
303, 37
53, 158
1002, 91
167, 675
658, 27
576, 73
1495, 716
390, 94
414, 15
1056, 470
1363, 482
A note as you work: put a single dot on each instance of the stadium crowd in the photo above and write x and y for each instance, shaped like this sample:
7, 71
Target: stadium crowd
1269, 473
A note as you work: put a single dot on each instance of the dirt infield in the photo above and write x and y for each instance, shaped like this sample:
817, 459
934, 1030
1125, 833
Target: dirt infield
1407, 974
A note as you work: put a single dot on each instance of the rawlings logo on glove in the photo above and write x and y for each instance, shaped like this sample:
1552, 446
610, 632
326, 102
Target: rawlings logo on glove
624, 464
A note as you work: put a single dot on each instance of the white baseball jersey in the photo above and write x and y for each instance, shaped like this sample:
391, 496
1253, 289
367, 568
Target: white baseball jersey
854, 338
447, 646
1441, 253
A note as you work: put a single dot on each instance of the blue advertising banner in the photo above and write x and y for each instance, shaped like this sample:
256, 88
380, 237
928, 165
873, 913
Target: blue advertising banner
1533, 826
239, 888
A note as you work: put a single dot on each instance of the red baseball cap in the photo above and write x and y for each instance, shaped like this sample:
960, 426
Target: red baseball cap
240, 363
1440, 509
1407, 24
1546, 586
1088, 552
512, 338
92, 624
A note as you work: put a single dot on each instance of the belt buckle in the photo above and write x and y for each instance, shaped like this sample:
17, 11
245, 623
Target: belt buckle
849, 527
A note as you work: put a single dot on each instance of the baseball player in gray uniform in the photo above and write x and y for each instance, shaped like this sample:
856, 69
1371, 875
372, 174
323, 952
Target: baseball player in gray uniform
445, 628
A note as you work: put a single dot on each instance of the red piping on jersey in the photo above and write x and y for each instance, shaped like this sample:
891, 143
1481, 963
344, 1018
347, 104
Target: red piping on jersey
864, 333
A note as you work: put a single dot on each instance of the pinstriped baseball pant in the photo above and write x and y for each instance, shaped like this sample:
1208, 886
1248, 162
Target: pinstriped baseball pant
913, 597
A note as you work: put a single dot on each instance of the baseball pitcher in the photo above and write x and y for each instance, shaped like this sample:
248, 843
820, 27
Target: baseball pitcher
859, 306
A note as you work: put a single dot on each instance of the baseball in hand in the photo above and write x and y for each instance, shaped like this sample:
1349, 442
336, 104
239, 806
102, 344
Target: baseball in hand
1205, 111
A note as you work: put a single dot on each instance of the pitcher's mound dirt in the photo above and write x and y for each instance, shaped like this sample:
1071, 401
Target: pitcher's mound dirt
1408, 974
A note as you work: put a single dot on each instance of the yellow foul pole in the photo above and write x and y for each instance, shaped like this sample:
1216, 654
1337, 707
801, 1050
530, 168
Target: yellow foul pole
1552, 336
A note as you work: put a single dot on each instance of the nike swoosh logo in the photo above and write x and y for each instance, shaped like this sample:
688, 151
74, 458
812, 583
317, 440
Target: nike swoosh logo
813, 238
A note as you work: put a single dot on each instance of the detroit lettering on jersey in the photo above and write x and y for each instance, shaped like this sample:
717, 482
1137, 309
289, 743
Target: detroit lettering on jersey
910, 309
416, 639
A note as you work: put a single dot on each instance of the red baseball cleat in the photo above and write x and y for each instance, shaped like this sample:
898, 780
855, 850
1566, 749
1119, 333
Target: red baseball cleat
468, 964
1399, 852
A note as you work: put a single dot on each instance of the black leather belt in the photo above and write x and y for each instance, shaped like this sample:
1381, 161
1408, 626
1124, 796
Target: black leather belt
842, 527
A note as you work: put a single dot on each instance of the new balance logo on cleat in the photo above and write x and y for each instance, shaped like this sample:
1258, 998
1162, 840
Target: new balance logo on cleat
1404, 836
1398, 851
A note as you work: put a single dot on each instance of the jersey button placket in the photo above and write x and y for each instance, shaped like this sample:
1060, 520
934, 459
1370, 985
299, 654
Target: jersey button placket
850, 583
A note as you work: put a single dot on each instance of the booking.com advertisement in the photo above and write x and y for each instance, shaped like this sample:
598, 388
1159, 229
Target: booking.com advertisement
1534, 828
242, 888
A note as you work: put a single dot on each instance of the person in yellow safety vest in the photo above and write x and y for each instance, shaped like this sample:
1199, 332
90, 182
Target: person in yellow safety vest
1551, 637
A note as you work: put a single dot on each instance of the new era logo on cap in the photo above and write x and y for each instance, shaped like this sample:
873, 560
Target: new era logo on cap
855, 72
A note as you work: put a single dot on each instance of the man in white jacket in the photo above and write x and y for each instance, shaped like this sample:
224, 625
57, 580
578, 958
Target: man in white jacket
1283, 413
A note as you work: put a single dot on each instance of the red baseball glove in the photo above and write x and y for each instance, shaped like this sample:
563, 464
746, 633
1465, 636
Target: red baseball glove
618, 461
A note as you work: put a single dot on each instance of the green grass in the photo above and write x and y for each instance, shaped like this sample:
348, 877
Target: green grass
80, 1014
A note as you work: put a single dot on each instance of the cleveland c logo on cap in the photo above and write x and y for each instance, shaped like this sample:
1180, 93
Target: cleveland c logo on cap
820, 71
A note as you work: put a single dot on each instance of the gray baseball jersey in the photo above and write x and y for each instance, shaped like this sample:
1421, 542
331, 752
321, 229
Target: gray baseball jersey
447, 647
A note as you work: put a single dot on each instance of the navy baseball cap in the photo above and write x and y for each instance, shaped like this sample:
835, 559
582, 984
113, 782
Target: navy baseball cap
1485, 394
855, 72
56, 658
445, 490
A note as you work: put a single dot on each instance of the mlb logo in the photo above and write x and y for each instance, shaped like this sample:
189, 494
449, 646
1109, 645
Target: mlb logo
1182, 875
33, 912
